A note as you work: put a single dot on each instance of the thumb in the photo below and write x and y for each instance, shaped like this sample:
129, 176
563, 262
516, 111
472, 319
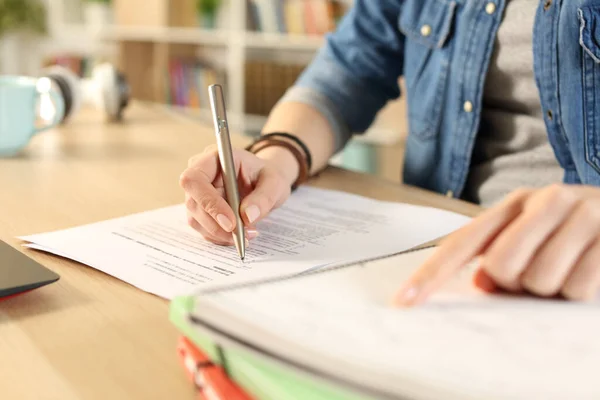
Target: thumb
270, 192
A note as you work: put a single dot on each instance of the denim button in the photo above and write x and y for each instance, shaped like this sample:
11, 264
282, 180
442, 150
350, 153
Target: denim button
468, 106
426, 30
490, 8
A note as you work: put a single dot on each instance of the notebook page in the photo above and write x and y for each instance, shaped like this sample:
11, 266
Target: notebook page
463, 344
158, 252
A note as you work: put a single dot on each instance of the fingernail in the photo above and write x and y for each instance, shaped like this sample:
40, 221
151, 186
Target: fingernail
407, 296
224, 222
252, 213
482, 280
252, 233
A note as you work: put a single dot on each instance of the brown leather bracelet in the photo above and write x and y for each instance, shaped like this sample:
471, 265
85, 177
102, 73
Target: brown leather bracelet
303, 167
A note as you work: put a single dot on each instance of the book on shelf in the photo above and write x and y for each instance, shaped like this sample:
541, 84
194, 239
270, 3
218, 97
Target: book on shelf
188, 80
266, 83
296, 17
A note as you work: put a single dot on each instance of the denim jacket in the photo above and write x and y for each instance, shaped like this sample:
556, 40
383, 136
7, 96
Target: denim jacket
442, 48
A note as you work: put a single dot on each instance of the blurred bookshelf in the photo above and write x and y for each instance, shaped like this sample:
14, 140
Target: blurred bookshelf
170, 50
257, 48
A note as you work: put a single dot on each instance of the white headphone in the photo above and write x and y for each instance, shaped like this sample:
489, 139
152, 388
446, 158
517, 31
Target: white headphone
106, 89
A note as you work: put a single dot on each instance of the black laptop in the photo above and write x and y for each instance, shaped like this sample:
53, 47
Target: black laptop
19, 273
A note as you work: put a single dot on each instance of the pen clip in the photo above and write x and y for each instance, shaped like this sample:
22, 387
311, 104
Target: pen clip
222, 126
217, 104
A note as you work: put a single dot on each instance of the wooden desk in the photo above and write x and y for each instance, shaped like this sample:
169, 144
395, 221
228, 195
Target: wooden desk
91, 336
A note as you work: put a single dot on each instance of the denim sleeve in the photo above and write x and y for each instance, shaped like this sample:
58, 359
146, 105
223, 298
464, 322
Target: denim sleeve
356, 72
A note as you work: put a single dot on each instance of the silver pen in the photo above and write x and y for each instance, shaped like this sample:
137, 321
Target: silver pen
232, 194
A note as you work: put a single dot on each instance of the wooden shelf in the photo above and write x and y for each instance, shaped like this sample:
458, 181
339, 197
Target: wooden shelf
251, 39
166, 35
259, 40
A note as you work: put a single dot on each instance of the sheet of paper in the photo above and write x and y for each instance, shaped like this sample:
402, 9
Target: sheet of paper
158, 252
463, 344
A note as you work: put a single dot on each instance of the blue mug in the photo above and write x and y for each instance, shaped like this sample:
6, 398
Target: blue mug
24, 110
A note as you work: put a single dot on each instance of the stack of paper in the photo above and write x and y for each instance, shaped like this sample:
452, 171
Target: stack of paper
158, 252
338, 326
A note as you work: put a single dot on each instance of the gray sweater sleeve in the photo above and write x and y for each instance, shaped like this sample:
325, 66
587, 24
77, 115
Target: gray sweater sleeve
323, 105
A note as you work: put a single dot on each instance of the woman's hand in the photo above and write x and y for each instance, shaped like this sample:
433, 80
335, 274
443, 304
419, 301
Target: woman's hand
262, 188
545, 242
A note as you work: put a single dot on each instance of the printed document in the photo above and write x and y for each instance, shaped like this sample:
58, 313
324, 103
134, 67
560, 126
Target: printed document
158, 252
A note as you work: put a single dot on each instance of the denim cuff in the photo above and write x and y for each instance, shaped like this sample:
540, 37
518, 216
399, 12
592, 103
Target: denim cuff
324, 106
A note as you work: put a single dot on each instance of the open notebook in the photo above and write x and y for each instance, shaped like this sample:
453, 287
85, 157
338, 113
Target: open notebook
337, 325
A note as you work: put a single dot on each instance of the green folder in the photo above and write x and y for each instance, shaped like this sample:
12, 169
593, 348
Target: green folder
259, 377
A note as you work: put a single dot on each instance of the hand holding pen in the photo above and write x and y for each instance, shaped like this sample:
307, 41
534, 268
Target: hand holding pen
262, 187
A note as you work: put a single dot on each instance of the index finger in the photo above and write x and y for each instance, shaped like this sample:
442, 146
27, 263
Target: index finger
458, 250
207, 162
197, 180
